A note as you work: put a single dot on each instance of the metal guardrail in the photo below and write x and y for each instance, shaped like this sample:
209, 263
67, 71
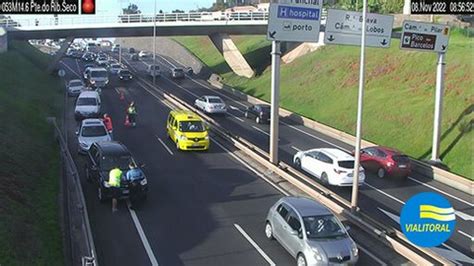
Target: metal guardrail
89, 257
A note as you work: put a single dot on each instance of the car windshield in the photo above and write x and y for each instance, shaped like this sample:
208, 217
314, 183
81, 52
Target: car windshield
346, 164
178, 70
110, 161
93, 131
76, 83
323, 226
99, 74
125, 72
215, 100
115, 66
401, 158
265, 109
82, 101
191, 126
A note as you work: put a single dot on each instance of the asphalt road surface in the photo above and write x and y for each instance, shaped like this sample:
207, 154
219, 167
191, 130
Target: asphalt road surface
381, 198
203, 208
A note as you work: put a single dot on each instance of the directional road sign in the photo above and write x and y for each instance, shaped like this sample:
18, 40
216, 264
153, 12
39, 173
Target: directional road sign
61, 72
294, 22
424, 36
345, 27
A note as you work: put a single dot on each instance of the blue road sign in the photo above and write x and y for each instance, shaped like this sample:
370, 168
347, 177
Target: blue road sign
292, 12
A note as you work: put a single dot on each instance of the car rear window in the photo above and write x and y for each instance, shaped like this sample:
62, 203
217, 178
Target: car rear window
75, 83
99, 74
215, 100
83, 101
401, 158
346, 164
179, 70
93, 131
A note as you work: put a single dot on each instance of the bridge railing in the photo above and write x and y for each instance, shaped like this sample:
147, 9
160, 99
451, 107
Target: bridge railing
134, 18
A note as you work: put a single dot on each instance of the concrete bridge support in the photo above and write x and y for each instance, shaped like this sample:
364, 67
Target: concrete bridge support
3, 40
232, 55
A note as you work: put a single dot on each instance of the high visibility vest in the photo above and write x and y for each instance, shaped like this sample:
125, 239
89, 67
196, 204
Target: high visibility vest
132, 110
108, 123
115, 176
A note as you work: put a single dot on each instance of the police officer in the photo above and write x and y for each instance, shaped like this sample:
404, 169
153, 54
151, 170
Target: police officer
132, 113
115, 176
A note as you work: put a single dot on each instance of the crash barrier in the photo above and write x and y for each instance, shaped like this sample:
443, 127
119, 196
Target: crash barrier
80, 235
456, 181
387, 235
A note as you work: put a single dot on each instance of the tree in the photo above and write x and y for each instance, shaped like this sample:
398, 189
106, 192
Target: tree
177, 11
131, 9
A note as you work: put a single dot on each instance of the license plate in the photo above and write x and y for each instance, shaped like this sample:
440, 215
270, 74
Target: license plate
195, 144
126, 191
402, 166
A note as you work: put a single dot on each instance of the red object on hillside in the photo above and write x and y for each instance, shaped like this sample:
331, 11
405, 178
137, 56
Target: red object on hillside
385, 161
88, 7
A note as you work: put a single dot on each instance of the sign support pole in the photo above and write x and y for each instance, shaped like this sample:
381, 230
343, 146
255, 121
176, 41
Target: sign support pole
154, 44
438, 107
275, 99
360, 101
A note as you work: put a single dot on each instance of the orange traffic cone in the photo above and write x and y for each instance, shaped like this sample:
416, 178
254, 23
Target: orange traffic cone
127, 121
122, 97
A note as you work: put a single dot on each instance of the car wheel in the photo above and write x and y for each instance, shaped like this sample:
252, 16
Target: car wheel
324, 178
269, 231
100, 195
381, 172
301, 260
246, 114
257, 119
88, 175
298, 163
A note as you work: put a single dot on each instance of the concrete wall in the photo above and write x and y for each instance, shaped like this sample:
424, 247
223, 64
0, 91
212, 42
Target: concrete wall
232, 55
3, 40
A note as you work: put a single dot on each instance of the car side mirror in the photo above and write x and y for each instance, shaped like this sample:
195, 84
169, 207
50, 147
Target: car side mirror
77, 132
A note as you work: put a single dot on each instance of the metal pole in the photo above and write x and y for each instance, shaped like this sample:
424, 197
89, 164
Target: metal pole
120, 54
154, 45
360, 101
275, 100
438, 107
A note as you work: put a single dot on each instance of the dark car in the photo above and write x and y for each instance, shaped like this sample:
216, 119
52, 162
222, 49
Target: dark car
88, 57
385, 161
131, 50
134, 57
259, 112
102, 157
125, 74
177, 73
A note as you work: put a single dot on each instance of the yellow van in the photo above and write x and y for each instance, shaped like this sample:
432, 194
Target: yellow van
187, 130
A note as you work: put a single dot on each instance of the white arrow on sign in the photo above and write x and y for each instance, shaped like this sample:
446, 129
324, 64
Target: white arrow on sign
464, 216
449, 253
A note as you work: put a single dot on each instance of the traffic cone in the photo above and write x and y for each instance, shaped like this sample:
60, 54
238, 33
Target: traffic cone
122, 97
127, 121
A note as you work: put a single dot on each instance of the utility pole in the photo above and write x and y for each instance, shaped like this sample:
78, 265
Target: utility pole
275, 99
154, 45
438, 108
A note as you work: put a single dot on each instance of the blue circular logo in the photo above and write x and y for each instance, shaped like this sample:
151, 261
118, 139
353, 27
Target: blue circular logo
427, 219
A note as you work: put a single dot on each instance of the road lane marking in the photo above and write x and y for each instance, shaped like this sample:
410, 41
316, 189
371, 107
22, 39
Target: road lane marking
233, 107
238, 118
464, 216
261, 131
440, 191
384, 193
164, 145
145, 242
296, 149
249, 239
72, 70
77, 64
466, 235
372, 255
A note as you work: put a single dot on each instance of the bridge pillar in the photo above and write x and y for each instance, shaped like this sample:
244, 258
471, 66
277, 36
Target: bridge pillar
3, 40
232, 55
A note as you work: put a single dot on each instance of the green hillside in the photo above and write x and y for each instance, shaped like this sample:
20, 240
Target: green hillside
399, 95
29, 160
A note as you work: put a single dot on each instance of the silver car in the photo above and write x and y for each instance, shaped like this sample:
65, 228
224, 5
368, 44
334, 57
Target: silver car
75, 87
92, 130
211, 104
310, 232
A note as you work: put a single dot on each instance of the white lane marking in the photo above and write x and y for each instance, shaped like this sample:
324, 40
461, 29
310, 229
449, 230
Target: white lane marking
233, 107
261, 131
464, 216
466, 235
265, 256
238, 118
384, 193
439, 190
295, 148
77, 64
164, 145
145, 242
372, 255
251, 168
190, 92
173, 65
117, 91
72, 70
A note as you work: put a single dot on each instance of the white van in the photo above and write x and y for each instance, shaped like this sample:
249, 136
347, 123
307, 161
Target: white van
87, 105
97, 77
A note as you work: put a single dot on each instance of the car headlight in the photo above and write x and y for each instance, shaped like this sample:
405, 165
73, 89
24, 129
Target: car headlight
82, 144
106, 184
182, 137
355, 250
206, 137
316, 254
143, 182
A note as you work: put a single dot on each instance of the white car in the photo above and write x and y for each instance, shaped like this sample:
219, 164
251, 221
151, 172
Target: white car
211, 104
332, 166
87, 105
91, 130
75, 87
114, 68
102, 60
143, 54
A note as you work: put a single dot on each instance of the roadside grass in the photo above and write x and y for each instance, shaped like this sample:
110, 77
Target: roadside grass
399, 92
29, 160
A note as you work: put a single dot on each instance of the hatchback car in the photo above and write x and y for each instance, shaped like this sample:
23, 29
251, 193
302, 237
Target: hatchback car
91, 130
187, 130
102, 60
331, 166
114, 68
125, 74
102, 157
385, 161
88, 57
75, 87
143, 54
177, 73
87, 105
259, 112
131, 50
310, 232
211, 104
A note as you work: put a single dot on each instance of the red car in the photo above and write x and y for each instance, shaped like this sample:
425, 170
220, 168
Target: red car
385, 161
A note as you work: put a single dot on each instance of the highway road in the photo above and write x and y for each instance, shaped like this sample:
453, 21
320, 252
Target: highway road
382, 198
203, 208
